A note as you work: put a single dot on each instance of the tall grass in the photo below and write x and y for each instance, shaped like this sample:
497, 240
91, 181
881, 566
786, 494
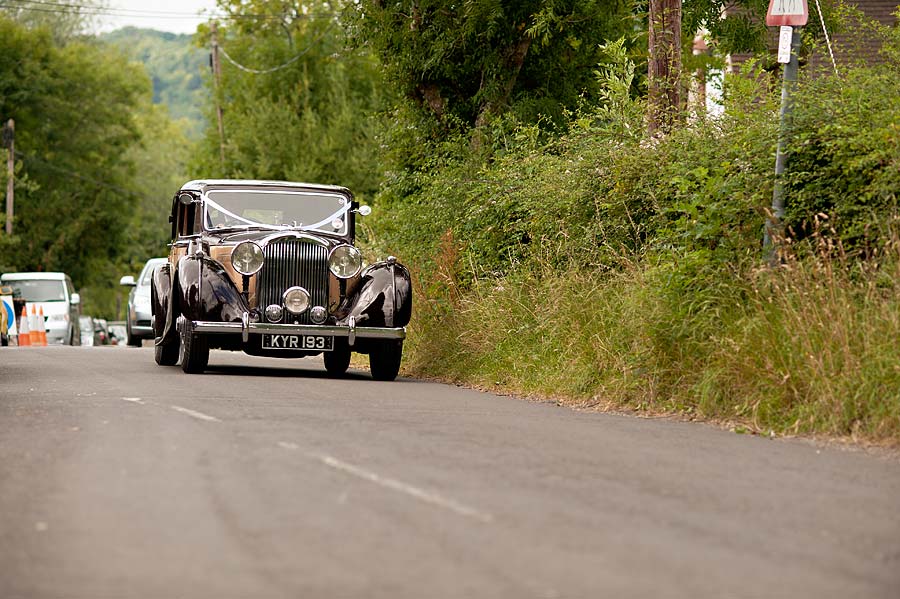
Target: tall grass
808, 348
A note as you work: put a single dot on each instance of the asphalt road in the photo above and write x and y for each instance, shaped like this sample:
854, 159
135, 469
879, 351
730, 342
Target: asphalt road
262, 478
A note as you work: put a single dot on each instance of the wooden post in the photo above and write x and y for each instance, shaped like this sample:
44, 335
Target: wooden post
217, 74
9, 136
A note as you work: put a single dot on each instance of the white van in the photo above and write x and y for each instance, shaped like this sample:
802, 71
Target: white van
54, 292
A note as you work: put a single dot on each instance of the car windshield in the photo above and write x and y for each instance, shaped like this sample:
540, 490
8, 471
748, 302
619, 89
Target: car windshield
40, 290
276, 209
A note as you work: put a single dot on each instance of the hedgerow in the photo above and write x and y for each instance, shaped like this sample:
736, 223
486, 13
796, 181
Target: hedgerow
613, 269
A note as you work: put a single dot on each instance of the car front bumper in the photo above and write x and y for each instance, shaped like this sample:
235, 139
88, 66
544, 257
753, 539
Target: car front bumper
247, 328
140, 322
57, 333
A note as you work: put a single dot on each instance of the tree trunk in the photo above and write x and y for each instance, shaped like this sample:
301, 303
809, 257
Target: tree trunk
515, 58
664, 65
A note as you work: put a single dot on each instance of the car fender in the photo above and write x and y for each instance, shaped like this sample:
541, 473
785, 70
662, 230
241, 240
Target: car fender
383, 297
205, 291
161, 302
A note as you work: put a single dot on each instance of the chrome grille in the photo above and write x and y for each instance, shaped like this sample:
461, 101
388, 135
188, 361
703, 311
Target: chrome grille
291, 262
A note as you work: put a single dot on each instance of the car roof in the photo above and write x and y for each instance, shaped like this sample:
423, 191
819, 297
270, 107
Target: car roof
33, 276
155, 261
202, 185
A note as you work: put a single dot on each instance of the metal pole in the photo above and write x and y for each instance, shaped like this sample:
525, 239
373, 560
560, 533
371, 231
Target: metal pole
10, 133
774, 232
217, 74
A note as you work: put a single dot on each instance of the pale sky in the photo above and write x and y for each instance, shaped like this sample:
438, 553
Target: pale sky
177, 16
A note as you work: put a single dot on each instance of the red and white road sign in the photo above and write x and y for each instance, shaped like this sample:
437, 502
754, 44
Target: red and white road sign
794, 13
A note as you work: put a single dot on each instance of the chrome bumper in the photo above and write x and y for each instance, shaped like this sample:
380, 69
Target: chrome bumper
247, 328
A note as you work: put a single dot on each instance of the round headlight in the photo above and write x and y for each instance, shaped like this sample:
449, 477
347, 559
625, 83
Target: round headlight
345, 261
247, 258
296, 300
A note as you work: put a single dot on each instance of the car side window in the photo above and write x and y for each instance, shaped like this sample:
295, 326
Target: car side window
187, 224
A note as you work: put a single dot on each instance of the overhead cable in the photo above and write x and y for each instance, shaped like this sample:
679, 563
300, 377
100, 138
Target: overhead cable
286, 64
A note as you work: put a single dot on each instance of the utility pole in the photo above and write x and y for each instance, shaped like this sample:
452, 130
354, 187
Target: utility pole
9, 140
217, 75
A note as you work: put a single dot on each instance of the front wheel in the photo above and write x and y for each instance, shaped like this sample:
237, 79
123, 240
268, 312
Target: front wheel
167, 355
337, 361
194, 353
384, 360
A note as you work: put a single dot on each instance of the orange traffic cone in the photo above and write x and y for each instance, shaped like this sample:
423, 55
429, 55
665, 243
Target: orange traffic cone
24, 329
34, 335
42, 328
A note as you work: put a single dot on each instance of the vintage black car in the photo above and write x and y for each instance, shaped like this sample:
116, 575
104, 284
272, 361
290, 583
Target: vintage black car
270, 268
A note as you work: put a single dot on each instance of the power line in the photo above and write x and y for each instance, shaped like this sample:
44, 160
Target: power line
62, 7
289, 62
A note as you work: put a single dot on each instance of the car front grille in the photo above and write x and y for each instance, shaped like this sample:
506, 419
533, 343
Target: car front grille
289, 263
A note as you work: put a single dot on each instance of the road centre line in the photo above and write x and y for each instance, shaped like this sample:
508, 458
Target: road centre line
133, 400
396, 485
196, 414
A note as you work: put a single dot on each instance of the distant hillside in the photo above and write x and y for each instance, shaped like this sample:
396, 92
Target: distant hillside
174, 64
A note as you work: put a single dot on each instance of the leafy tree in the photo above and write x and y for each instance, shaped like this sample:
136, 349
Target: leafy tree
73, 107
64, 21
464, 64
298, 106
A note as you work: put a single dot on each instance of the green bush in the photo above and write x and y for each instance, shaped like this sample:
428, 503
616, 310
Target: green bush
607, 269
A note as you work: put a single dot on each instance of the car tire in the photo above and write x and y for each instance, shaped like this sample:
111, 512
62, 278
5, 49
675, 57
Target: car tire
130, 339
167, 355
384, 360
337, 361
194, 353
4, 340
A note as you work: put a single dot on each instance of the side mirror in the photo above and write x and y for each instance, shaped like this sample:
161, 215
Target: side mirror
127, 280
75, 300
186, 199
364, 210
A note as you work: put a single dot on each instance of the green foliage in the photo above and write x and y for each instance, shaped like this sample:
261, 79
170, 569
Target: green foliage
83, 122
175, 66
311, 120
845, 155
617, 271
462, 66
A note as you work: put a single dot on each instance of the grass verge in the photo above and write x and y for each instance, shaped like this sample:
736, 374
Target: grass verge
809, 348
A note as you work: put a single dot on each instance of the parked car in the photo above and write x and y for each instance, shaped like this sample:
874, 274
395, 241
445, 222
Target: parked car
137, 314
270, 268
89, 337
53, 293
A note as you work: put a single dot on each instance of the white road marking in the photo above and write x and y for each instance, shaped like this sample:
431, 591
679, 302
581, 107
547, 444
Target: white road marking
286, 445
196, 414
396, 485
133, 399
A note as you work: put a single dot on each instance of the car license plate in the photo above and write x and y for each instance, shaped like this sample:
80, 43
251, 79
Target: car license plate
298, 342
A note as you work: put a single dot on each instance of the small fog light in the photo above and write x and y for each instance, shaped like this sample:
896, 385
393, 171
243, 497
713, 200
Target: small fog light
296, 300
273, 313
318, 315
